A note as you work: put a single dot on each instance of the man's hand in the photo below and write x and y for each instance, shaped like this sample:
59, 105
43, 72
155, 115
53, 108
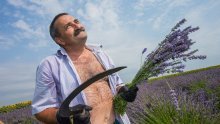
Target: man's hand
80, 115
128, 94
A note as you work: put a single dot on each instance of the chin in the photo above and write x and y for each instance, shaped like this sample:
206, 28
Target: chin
82, 36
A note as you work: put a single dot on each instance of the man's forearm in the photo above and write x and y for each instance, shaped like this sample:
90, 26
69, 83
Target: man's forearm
47, 116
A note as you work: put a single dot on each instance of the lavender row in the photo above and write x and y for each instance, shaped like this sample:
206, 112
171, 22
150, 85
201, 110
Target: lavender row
22, 115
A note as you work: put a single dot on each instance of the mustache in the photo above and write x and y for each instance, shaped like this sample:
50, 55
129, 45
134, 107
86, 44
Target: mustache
77, 31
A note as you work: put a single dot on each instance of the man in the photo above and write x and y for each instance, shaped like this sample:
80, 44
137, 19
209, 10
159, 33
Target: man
73, 64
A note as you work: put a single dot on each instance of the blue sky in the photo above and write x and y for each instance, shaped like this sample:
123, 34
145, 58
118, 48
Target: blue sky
123, 27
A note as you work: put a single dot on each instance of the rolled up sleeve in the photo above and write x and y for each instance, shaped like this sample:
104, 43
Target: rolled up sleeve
45, 95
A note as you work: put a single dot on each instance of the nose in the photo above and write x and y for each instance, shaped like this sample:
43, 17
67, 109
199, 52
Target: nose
75, 25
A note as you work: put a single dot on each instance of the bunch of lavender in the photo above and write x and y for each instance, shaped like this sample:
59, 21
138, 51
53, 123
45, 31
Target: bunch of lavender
168, 57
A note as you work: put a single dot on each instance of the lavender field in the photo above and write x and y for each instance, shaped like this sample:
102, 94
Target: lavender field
18, 116
197, 94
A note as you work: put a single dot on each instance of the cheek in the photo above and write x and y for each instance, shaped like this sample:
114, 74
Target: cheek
68, 33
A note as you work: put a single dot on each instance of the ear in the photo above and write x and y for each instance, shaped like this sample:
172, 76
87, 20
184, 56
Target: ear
59, 41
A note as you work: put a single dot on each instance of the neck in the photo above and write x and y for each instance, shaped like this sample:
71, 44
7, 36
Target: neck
75, 52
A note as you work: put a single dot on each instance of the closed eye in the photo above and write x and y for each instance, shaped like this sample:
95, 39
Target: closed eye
68, 25
76, 21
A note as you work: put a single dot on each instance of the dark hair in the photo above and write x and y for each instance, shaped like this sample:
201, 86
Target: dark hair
53, 31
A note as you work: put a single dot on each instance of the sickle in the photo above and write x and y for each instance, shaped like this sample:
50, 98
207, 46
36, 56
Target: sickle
64, 108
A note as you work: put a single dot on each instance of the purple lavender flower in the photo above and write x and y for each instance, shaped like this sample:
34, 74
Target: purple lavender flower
144, 50
178, 24
171, 50
174, 98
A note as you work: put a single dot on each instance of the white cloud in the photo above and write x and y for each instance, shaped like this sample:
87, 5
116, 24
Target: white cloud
168, 7
23, 4
141, 4
23, 26
29, 30
49, 7
5, 43
40, 7
159, 19
160, 9
38, 44
37, 36
17, 3
102, 15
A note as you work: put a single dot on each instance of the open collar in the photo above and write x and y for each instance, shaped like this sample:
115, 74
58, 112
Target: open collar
92, 47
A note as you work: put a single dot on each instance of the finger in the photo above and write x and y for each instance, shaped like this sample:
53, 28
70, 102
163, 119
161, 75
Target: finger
77, 109
88, 108
123, 89
82, 116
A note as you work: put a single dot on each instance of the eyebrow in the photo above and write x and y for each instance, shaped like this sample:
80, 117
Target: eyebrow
65, 26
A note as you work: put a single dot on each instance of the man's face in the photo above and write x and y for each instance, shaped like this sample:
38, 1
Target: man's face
71, 30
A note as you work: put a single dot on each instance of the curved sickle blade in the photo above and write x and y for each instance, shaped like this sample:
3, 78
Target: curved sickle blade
64, 108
